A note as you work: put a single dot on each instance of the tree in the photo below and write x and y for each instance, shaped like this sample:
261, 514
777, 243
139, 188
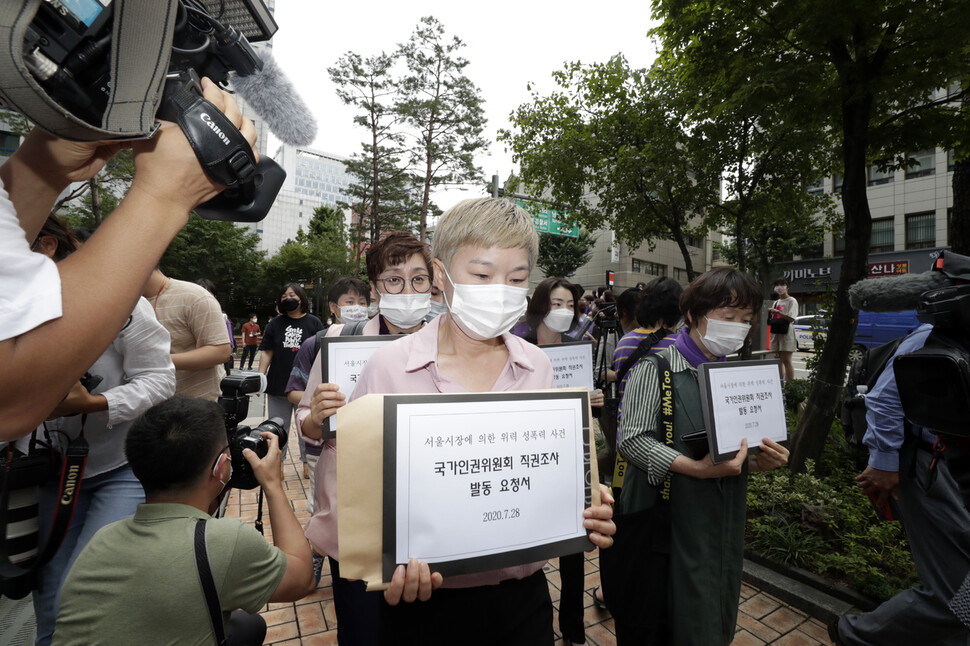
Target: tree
862, 72
318, 256
609, 147
226, 254
380, 191
445, 108
562, 255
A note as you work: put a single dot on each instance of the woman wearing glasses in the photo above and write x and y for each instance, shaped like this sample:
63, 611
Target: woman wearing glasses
399, 270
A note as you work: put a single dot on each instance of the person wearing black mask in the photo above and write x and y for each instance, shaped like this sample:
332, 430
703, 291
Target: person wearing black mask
281, 341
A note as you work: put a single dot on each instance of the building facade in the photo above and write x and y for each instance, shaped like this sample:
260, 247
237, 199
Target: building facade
910, 211
313, 178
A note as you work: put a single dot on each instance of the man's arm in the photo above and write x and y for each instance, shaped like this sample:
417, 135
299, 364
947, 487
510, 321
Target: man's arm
201, 358
298, 580
102, 281
265, 358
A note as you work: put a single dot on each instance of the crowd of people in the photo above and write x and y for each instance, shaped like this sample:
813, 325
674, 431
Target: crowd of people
124, 377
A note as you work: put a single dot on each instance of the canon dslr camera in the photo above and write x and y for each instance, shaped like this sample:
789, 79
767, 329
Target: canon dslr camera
235, 402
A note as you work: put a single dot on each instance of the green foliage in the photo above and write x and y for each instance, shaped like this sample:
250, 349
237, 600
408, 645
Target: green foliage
89, 203
861, 75
224, 253
561, 255
795, 391
318, 258
382, 190
609, 145
821, 521
444, 108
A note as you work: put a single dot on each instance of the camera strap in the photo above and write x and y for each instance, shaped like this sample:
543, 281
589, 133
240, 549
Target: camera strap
21, 474
208, 583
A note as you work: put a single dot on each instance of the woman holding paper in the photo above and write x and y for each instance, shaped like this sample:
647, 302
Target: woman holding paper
484, 250
706, 500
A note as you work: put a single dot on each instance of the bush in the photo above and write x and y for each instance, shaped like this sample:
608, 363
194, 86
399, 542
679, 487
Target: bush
795, 391
821, 521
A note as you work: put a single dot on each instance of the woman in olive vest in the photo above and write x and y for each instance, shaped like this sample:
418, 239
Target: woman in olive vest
706, 510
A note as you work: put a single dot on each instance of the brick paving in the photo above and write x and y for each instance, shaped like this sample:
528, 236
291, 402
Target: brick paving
762, 619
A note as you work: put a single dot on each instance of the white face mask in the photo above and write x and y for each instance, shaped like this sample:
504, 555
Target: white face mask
724, 337
372, 310
436, 308
353, 314
559, 320
405, 310
486, 311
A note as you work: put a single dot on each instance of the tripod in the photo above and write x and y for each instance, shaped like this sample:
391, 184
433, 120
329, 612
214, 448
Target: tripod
609, 329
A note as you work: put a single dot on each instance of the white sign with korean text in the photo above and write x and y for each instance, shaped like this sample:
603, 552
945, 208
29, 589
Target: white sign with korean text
485, 477
572, 364
346, 358
742, 399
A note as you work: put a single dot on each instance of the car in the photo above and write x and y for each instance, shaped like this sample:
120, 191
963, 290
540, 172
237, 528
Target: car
806, 329
877, 328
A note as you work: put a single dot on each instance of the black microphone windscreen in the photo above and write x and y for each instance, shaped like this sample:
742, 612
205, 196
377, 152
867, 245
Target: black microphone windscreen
894, 293
273, 97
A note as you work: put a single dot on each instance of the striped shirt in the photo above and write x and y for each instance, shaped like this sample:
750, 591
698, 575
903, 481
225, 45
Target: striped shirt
639, 428
625, 348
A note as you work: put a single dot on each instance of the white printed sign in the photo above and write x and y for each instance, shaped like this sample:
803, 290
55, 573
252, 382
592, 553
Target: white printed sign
572, 364
479, 479
742, 399
345, 359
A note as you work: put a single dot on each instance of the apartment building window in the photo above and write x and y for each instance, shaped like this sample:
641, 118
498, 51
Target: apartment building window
8, 143
949, 161
925, 164
838, 182
818, 187
881, 238
921, 230
877, 177
838, 244
650, 268
695, 241
680, 275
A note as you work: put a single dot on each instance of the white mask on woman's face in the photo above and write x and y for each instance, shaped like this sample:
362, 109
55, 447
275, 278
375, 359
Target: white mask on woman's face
437, 308
405, 310
724, 337
372, 310
486, 311
353, 313
559, 320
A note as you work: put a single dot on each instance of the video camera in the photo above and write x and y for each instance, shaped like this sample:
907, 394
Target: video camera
68, 46
934, 382
235, 402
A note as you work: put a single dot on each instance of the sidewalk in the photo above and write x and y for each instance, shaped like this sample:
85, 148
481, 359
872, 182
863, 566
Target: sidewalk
762, 619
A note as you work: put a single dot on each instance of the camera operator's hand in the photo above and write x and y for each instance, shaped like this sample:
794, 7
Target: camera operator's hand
79, 400
267, 470
62, 162
878, 484
324, 402
166, 168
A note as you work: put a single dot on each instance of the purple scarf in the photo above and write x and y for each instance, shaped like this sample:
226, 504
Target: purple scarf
687, 347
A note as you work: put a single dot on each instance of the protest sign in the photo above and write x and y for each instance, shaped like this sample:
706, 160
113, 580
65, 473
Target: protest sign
468, 482
572, 364
343, 359
741, 399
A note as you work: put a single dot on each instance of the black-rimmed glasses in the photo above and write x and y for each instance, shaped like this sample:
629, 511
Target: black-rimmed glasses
421, 284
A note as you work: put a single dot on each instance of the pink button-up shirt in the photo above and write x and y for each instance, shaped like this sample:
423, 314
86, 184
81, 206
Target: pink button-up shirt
410, 365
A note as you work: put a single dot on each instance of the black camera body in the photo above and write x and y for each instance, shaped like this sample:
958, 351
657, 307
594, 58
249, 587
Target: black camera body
934, 381
251, 438
67, 49
235, 403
